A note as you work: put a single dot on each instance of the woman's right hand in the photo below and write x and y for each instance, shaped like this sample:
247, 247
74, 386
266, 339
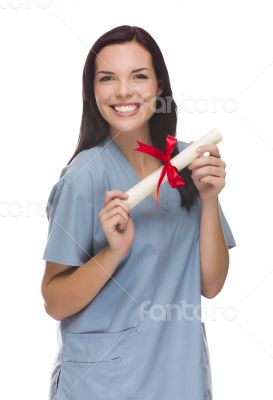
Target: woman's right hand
116, 222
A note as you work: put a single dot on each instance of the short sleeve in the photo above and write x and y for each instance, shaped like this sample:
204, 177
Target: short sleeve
226, 229
70, 215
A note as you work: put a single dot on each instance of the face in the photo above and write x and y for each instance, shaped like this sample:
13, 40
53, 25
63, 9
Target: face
126, 91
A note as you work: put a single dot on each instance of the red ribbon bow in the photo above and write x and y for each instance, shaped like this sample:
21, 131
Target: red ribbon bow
174, 179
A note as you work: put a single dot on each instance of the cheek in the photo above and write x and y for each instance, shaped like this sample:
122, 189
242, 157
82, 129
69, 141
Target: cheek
101, 95
99, 103
149, 97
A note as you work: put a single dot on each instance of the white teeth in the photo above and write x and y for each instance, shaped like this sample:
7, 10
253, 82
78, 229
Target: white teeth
125, 108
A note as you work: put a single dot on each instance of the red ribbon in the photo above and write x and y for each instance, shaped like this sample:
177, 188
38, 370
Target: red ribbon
174, 179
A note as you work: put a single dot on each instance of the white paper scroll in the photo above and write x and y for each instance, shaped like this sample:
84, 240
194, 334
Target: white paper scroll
144, 188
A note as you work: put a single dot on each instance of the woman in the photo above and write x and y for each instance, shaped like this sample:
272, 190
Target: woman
130, 324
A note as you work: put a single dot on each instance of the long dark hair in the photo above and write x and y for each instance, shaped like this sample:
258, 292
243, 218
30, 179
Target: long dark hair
94, 129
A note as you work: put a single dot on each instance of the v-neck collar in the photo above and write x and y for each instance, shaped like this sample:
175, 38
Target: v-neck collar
111, 145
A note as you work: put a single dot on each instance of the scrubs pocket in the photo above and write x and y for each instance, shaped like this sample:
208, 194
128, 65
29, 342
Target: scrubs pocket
206, 366
93, 365
90, 380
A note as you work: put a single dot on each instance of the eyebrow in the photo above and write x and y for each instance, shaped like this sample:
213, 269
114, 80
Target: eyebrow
112, 73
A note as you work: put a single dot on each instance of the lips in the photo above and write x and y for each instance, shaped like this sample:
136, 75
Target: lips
124, 104
125, 112
125, 108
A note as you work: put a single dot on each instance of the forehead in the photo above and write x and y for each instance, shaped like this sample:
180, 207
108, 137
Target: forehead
125, 56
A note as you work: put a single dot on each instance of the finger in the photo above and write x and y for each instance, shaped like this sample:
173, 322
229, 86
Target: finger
206, 160
110, 195
213, 180
114, 203
208, 171
211, 148
117, 223
123, 217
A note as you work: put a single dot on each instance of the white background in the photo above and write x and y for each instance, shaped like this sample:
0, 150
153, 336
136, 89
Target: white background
219, 58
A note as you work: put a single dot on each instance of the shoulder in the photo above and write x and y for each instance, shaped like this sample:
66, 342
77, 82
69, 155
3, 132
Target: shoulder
81, 170
76, 178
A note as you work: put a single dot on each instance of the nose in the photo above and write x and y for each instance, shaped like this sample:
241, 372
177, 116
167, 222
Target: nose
123, 89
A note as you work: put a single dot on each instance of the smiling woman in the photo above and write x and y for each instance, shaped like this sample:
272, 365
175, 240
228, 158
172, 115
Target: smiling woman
141, 78
108, 268
137, 90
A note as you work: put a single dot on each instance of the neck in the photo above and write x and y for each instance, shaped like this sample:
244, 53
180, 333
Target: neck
127, 142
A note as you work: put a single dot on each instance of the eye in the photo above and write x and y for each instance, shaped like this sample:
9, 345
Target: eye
142, 76
103, 78
107, 78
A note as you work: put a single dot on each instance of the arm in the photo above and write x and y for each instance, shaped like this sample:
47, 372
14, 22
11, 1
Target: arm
67, 293
213, 249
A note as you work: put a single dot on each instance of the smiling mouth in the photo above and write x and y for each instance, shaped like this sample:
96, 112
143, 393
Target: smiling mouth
126, 109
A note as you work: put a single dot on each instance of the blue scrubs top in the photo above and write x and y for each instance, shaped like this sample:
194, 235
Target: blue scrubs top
142, 336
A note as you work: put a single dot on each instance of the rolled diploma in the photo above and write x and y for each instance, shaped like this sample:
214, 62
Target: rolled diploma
147, 185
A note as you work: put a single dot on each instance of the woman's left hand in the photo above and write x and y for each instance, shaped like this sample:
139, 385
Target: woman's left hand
208, 172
